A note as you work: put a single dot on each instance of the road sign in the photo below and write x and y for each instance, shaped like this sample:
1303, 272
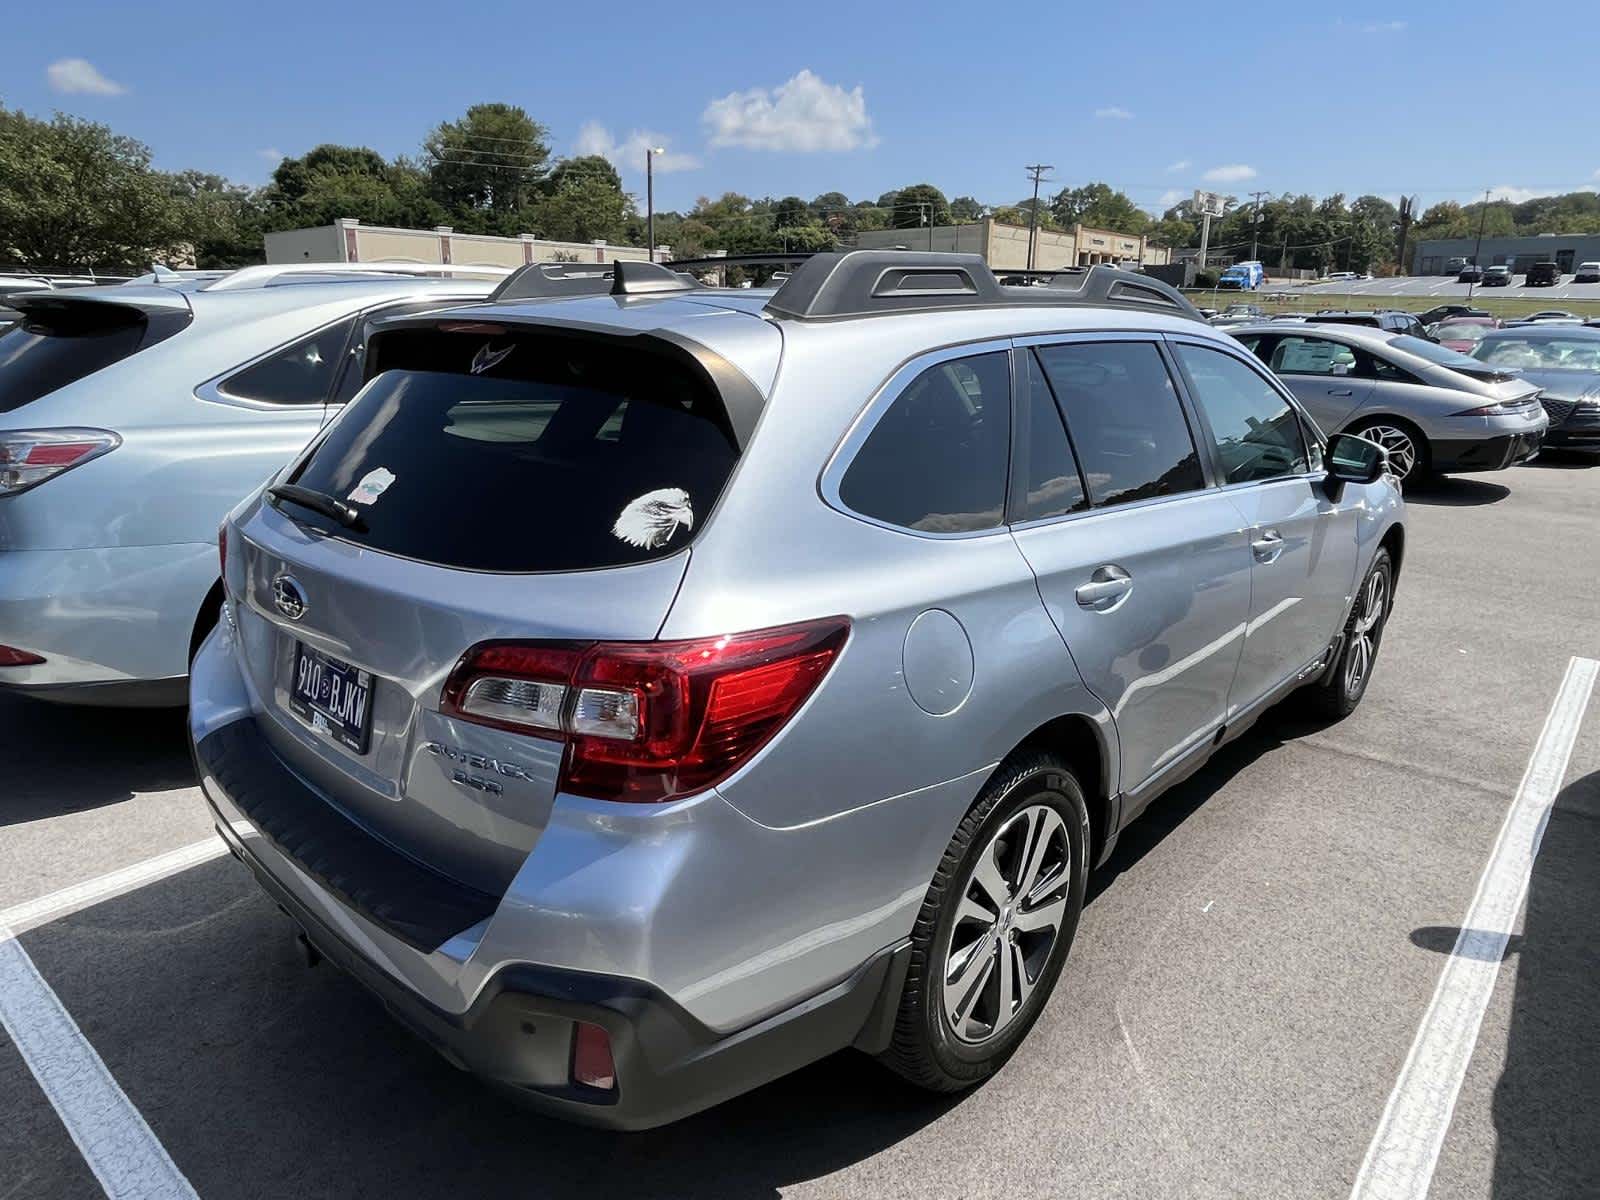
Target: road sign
1208, 204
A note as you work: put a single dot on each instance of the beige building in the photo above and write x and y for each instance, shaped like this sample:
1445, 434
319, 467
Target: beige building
348, 240
1005, 247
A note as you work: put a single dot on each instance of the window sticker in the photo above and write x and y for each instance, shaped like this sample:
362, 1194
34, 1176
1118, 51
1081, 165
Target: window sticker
373, 484
652, 520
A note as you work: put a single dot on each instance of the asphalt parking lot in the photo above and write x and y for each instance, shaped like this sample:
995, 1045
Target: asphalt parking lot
1243, 996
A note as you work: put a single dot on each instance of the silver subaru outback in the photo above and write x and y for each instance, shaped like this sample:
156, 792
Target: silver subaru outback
648, 693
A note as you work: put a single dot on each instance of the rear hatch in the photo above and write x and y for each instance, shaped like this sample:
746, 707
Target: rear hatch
491, 482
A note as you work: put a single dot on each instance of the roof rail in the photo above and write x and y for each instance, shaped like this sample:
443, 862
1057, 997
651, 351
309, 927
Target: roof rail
261, 276
550, 280
634, 278
862, 283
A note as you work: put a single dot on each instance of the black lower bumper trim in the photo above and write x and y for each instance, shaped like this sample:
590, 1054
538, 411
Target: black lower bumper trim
1484, 454
419, 906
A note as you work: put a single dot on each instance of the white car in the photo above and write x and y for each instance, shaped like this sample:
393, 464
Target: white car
1336, 276
1588, 272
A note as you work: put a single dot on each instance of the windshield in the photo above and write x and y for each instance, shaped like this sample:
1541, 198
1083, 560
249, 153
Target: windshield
1459, 331
1541, 354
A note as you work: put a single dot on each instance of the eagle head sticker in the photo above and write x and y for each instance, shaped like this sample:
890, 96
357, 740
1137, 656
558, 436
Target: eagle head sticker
487, 356
651, 521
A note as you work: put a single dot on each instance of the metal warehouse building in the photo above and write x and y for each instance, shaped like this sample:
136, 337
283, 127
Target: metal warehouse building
1566, 250
1005, 246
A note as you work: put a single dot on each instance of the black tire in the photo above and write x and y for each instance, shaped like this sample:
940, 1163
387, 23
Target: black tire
925, 1048
1337, 694
1422, 466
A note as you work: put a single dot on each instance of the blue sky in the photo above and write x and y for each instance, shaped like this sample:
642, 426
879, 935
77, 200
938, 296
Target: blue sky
1154, 98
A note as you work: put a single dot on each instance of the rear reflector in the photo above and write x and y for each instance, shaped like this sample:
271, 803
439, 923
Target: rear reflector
592, 1065
647, 721
12, 657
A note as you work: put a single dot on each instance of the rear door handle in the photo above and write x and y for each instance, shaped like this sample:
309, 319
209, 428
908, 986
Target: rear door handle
1341, 391
1267, 546
1108, 585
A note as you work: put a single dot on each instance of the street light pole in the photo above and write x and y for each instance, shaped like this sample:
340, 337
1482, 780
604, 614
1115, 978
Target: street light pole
650, 194
1477, 250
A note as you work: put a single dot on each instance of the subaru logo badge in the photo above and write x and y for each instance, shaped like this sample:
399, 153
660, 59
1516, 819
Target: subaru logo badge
288, 597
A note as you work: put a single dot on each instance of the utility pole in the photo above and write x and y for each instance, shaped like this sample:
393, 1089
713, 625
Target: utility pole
650, 194
1036, 173
1408, 207
1477, 250
1255, 221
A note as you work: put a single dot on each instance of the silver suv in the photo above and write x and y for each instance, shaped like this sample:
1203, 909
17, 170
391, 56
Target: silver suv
131, 420
648, 693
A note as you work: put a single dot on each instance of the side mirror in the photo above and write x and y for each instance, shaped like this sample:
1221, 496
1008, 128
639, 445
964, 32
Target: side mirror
1355, 460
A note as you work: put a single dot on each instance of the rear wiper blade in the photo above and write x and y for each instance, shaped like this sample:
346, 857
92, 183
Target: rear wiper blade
319, 502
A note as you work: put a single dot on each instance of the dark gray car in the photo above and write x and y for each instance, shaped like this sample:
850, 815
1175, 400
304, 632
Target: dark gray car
1563, 361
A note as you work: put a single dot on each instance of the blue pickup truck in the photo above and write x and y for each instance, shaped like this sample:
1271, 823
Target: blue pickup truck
1246, 276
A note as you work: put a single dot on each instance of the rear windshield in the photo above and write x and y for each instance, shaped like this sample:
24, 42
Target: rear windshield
37, 356
1431, 351
556, 455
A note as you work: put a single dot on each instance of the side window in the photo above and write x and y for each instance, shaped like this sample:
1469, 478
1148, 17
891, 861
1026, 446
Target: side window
299, 374
936, 459
1126, 422
1298, 355
1370, 366
1051, 485
351, 379
1258, 434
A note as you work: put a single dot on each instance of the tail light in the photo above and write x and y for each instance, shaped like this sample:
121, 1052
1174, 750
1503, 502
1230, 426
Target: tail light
647, 721
592, 1063
10, 656
28, 457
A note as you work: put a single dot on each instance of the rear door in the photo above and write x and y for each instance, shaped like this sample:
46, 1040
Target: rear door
1303, 545
1142, 564
549, 494
1321, 373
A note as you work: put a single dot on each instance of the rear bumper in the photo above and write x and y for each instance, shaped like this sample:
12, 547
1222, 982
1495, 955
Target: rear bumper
113, 625
1452, 457
1580, 431
519, 1031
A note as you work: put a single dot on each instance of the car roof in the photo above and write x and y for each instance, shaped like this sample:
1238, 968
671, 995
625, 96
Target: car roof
1546, 332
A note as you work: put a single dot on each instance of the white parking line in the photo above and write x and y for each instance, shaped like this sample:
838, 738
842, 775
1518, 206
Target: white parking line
1405, 1150
114, 1139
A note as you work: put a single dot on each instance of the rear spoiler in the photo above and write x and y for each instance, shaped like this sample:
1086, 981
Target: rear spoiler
86, 310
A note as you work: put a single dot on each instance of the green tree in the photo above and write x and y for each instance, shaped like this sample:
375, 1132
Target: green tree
224, 220
584, 166
493, 158
75, 195
965, 209
1099, 206
918, 205
791, 210
584, 208
1174, 232
331, 182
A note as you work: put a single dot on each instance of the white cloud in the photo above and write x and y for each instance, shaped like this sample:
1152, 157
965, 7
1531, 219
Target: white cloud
1231, 173
1113, 113
1170, 197
75, 75
271, 155
1183, 164
1516, 195
628, 154
805, 114
1597, 173
1384, 27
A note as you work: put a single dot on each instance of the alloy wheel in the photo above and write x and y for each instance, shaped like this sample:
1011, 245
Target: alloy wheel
1402, 447
1365, 630
1009, 919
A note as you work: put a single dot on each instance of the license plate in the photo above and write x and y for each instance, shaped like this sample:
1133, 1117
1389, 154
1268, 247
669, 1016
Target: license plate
333, 697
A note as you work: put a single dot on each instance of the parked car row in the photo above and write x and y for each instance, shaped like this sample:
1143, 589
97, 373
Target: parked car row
1540, 274
570, 635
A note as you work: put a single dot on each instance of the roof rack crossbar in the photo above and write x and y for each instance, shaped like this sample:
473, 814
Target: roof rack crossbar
863, 283
551, 280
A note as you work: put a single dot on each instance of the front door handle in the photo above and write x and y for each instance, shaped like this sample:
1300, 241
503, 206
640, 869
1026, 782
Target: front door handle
1105, 589
1267, 546
1341, 391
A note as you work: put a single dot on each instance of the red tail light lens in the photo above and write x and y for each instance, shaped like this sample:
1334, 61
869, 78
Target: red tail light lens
648, 721
28, 457
592, 1064
12, 657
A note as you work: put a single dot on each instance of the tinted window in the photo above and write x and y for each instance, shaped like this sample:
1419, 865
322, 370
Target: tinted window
1297, 355
38, 358
1051, 486
936, 459
301, 373
560, 456
1127, 425
1258, 435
